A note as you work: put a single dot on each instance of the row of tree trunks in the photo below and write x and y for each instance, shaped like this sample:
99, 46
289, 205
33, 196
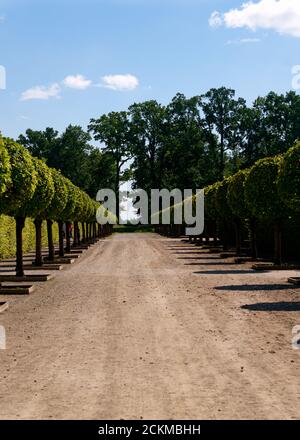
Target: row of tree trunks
211, 232
90, 232
170, 230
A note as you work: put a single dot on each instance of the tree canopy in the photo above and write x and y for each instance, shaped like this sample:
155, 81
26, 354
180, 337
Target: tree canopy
261, 190
24, 179
236, 194
5, 168
289, 178
43, 194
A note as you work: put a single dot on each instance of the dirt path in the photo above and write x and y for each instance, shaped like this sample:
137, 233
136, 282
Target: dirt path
149, 327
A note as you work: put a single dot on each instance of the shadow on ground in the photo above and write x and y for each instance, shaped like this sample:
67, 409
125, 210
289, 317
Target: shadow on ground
257, 287
225, 272
196, 252
282, 306
199, 258
210, 263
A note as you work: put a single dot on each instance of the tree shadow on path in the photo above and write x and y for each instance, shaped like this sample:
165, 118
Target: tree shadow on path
282, 306
192, 253
200, 258
256, 287
210, 263
226, 272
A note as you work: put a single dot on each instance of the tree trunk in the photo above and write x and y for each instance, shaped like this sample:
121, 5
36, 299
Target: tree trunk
238, 239
206, 235
38, 242
20, 223
78, 234
278, 243
254, 253
61, 238
83, 232
76, 241
74, 235
225, 237
51, 254
215, 234
68, 238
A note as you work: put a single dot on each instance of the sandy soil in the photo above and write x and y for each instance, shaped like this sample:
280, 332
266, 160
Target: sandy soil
149, 327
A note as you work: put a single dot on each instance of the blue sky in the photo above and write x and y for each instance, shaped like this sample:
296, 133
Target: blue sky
163, 46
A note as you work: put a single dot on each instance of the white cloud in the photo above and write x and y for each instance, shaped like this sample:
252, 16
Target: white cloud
77, 82
216, 19
249, 40
244, 41
41, 92
120, 82
282, 16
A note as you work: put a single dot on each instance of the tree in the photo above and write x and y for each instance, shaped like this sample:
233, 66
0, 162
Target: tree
114, 131
187, 156
86, 216
55, 209
250, 146
210, 204
37, 205
42, 144
79, 212
289, 178
221, 112
68, 152
74, 156
5, 168
224, 213
279, 122
210, 212
239, 208
67, 215
19, 193
102, 171
147, 122
262, 198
